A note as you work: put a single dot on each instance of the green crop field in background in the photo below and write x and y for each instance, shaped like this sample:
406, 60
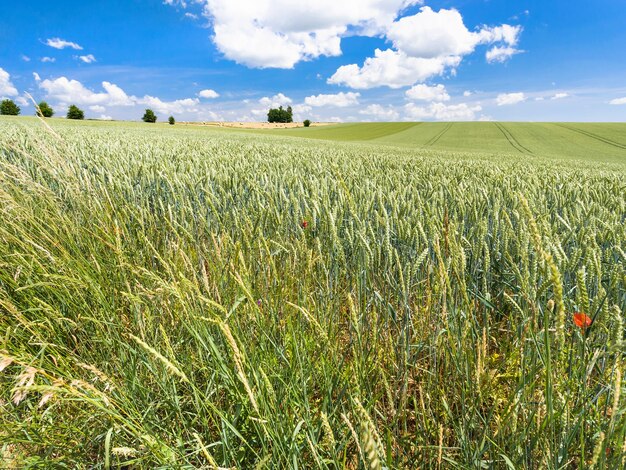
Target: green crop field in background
597, 142
353, 296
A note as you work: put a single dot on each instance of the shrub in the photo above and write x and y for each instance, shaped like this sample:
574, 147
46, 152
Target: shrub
44, 110
280, 115
307, 122
171, 120
149, 116
74, 112
9, 108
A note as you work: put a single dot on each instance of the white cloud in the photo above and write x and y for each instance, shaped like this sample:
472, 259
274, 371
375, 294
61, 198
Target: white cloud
467, 93
117, 96
428, 93
104, 117
618, 101
58, 43
505, 99
25, 58
22, 101
281, 33
501, 53
424, 45
431, 34
64, 91
6, 87
301, 109
170, 107
380, 113
73, 92
36, 77
275, 101
340, 100
48, 59
442, 112
560, 96
391, 68
257, 113
88, 59
209, 94
504, 33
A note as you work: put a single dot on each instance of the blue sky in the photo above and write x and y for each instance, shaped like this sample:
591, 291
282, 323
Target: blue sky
348, 60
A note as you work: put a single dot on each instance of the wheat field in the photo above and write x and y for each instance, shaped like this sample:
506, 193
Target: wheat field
179, 298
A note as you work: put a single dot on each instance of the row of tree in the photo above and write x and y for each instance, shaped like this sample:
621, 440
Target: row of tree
10, 108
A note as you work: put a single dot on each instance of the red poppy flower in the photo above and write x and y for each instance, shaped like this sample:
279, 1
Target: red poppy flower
304, 224
582, 321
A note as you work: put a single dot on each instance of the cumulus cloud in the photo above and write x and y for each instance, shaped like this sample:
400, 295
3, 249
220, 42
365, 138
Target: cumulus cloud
430, 34
208, 94
301, 109
6, 86
170, 107
428, 93
48, 59
88, 59
560, 96
501, 53
58, 43
391, 68
503, 33
380, 113
74, 92
506, 99
36, 77
425, 45
618, 101
68, 91
467, 93
275, 101
281, 33
25, 58
442, 112
340, 100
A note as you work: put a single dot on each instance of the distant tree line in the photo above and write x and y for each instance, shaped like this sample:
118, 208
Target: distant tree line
44, 110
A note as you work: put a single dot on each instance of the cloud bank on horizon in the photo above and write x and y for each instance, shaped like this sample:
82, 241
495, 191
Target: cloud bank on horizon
377, 60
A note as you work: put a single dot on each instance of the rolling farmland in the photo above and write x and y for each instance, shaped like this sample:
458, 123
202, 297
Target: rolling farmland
395, 295
596, 142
